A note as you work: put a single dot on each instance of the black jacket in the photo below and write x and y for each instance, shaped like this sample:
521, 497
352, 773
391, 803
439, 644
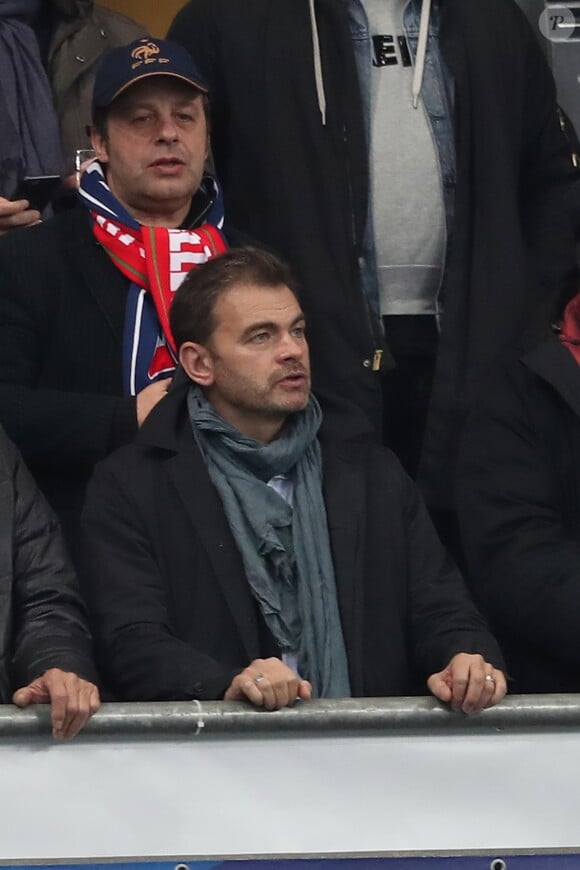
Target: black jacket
62, 311
302, 188
62, 308
518, 490
173, 613
42, 616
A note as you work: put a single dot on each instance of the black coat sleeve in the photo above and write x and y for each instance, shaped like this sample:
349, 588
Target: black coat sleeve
50, 627
137, 645
523, 556
49, 339
444, 620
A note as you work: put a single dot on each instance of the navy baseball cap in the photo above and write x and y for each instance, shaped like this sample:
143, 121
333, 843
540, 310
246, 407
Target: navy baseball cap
123, 66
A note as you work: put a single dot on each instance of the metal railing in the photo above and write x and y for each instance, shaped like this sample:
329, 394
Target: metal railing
412, 716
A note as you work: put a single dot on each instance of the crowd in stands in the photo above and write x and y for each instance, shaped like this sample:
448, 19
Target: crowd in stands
49, 50
260, 407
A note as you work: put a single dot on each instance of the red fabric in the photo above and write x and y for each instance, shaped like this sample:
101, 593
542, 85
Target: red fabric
158, 260
570, 327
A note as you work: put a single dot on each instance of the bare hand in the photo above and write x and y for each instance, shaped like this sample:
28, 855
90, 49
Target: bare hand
268, 683
148, 398
468, 683
15, 213
73, 700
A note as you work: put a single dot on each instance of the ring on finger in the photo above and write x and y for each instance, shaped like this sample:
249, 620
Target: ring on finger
489, 678
259, 677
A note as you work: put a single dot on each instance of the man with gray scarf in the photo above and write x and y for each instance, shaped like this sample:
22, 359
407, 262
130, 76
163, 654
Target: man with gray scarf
236, 551
48, 54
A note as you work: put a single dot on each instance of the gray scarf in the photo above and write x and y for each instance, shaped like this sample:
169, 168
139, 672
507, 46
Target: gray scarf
30, 138
285, 550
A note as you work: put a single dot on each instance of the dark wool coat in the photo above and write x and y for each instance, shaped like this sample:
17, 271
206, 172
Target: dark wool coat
519, 506
62, 308
302, 188
42, 616
62, 311
171, 607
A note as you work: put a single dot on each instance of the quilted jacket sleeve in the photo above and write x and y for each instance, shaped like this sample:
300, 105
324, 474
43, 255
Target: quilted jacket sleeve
49, 621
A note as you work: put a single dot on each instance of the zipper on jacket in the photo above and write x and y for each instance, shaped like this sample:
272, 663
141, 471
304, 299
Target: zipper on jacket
375, 332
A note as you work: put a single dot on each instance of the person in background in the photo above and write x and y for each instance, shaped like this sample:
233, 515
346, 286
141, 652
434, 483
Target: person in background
45, 645
84, 349
49, 50
406, 158
518, 494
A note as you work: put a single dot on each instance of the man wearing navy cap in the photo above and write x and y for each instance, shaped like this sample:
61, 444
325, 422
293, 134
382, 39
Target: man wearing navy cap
85, 346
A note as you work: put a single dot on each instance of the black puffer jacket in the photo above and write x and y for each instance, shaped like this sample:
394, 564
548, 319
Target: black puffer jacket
42, 616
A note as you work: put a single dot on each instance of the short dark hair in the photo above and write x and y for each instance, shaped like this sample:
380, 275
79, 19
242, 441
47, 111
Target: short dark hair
192, 311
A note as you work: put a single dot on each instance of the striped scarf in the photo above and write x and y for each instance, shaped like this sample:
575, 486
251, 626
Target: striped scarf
155, 260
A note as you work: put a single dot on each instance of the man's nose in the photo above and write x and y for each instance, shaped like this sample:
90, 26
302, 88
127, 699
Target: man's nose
167, 130
292, 346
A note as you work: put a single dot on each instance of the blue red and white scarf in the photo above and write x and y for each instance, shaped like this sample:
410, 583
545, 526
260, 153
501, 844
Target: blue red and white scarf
156, 260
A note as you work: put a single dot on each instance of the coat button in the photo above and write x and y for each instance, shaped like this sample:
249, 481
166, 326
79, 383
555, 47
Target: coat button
81, 58
103, 32
367, 363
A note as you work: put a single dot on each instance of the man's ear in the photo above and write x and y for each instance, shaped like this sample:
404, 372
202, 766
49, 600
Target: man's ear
99, 144
197, 363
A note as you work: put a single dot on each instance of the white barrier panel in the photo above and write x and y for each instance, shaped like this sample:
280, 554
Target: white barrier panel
289, 796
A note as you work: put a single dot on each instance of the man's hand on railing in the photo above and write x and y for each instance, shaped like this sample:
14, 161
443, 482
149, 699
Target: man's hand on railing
73, 700
468, 683
268, 683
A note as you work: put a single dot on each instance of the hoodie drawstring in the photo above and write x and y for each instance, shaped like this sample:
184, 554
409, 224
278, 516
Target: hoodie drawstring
316, 56
421, 51
419, 60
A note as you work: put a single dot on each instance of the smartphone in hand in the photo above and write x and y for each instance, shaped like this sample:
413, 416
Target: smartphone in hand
38, 190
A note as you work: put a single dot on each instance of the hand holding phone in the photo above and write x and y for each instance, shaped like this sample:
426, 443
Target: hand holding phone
15, 214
